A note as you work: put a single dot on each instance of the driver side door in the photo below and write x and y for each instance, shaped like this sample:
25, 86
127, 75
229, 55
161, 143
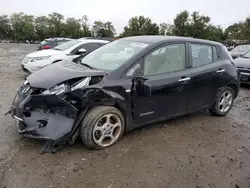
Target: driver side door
164, 88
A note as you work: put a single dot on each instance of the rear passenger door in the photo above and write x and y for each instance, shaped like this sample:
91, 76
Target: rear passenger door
207, 74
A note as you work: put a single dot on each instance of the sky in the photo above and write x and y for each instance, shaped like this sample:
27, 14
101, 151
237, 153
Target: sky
222, 12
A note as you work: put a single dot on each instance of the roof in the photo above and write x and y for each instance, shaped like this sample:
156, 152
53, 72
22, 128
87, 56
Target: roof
84, 40
58, 38
159, 38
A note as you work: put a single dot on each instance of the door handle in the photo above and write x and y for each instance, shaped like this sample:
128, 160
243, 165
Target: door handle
184, 79
220, 70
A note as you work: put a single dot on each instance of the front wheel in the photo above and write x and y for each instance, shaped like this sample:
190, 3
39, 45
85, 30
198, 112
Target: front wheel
224, 102
102, 127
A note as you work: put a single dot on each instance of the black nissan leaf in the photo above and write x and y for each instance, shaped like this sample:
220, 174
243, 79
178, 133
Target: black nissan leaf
123, 85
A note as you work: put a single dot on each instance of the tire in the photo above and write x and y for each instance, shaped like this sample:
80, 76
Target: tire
216, 109
89, 125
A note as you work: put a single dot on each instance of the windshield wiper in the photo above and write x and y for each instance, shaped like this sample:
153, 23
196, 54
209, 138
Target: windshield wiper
87, 65
57, 49
246, 57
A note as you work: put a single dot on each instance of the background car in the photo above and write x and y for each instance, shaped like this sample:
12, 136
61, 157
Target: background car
71, 49
123, 85
243, 64
52, 42
240, 50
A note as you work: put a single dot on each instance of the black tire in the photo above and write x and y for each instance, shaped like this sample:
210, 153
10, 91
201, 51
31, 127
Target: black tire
89, 121
215, 109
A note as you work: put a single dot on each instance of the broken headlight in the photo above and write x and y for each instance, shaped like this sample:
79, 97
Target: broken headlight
81, 83
58, 89
63, 88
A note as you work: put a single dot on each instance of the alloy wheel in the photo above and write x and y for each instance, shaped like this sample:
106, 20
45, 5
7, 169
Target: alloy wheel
107, 130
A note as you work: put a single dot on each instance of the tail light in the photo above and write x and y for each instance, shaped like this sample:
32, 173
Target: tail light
46, 47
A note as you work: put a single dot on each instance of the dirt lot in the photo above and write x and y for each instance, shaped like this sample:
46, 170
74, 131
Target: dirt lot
196, 151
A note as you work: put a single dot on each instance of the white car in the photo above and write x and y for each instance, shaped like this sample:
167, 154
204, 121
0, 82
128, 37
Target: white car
74, 48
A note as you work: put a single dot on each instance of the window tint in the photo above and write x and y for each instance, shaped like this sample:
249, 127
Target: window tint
134, 70
169, 58
201, 54
215, 53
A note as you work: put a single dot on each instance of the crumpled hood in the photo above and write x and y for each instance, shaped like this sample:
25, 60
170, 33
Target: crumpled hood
56, 73
242, 62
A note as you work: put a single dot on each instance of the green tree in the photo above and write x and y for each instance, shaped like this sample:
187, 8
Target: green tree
101, 29
182, 24
72, 28
5, 27
55, 21
23, 26
166, 29
198, 25
85, 26
42, 27
140, 26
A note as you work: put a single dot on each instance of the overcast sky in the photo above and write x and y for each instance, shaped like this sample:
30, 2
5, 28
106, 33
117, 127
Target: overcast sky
222, 12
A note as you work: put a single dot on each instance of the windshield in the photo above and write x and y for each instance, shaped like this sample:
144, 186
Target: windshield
241, 48
66, 45
247, 55
113, 55
43, 42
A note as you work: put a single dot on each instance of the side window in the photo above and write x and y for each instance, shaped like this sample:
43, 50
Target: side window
134, 70
215, 53
201, 54
166, 59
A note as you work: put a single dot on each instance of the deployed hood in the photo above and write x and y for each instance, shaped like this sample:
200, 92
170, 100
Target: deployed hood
44, 53
242, 62
59, 72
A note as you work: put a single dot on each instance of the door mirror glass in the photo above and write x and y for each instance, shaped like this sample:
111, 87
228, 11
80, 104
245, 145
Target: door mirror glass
81, 51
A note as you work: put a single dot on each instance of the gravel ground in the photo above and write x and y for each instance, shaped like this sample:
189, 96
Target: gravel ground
196, 151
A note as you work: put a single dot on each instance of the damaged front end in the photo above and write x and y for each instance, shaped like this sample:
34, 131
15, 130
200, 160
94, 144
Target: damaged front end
50, 114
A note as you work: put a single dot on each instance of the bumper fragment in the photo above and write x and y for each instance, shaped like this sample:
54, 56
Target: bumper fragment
43, 117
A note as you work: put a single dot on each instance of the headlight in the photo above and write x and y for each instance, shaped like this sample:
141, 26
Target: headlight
80, 84
58, 89
34, 59
63, 88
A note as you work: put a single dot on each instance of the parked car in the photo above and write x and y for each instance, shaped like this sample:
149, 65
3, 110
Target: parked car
51, 43
128, 83
240, 50
39, 59
243, 64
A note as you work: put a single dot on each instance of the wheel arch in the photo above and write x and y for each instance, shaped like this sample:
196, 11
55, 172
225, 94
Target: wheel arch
235, 88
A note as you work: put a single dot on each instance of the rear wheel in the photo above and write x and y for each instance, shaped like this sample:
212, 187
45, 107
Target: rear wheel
102, 127
224, 102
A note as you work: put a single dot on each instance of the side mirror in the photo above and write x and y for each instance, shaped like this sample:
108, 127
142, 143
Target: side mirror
81, 51
141, 86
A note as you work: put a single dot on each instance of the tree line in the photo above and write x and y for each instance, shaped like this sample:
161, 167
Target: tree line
21, 27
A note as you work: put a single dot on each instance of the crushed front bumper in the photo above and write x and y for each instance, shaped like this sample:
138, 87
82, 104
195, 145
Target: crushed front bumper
43, 117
